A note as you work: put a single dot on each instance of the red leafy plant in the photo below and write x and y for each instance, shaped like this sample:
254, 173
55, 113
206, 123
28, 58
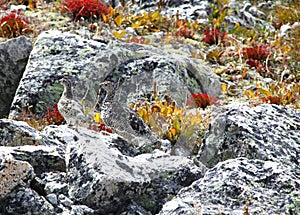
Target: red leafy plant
202, 100
214, 36
84, 8
98, 128
14, 24
140, 40
184, 32
53, 116
255, 55
256, 52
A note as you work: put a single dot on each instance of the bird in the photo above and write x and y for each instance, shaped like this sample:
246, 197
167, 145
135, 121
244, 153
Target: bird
126, 122
70, 109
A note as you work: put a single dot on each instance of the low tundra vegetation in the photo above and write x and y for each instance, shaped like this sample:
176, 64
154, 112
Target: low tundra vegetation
258, 65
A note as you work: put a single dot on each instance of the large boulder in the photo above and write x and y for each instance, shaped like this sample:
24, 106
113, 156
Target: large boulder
265, 132
86, 172
14, 54
19, 133
101, 177
240, 186
254, 154
18, 169
133, 67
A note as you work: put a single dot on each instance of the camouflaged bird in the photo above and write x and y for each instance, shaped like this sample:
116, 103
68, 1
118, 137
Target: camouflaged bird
126, 122
70, 109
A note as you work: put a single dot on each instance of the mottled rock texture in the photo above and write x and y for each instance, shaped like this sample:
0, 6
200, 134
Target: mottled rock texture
104, 179
254, 155
133, 67
265, 132
13, 173
19, 133
98, 173
237, 186
252, 152
243, 13
14, 54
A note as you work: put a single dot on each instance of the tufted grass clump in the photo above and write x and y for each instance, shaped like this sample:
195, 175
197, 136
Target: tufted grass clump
14, 24
279, 93
39, 121
214, 36
256, 55
286, 13
202, 100
169, 121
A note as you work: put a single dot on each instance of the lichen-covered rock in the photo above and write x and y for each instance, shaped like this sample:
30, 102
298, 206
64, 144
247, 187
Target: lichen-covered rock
19, 133
16, 196
41, 158
133, 67
14, 54
243, 13
240, 186
28, 202
55, 182
265, 132
13, 173
104, 179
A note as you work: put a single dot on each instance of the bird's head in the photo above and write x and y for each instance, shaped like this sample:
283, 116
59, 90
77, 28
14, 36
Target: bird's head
107, 86
65, 81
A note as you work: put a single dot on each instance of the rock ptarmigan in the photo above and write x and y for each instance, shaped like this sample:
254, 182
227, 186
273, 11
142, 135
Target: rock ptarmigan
70, 109
126, 122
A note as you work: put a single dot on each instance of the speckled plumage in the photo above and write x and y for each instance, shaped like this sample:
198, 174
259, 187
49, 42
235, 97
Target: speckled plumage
69, 108
125, 121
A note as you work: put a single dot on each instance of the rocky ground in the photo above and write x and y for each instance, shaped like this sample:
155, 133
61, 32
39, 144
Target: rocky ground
217, 81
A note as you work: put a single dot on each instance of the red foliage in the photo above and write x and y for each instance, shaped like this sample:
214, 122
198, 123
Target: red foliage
84, 8
254, 63
13, 24
99, 128
184, 32
255, 55
277, 25
202, 100
53, 116
4, 5
256, 52
272, 100
140, 40
214, 36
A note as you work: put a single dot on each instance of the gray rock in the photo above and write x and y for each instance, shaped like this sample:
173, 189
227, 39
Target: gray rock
14, 54
240, 186
79, 210
265, 132
243, 13
26, 201
52, 198
55, 182
88, 62
19, 133
13, 173
41, 158
102, 178
65, 200
135, 209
